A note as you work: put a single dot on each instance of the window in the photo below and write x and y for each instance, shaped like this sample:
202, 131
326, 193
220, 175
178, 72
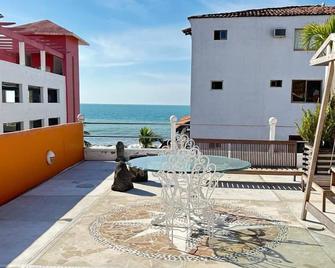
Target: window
11, 127
53, 121
35, 94
298, 43
306, 91
279, 33
36, 123
28, 59
53, 96
11, 93
217, 85
276, 83
57, 65
220, 34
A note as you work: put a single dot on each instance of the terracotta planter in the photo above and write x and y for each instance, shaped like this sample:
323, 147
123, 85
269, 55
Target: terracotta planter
324, 158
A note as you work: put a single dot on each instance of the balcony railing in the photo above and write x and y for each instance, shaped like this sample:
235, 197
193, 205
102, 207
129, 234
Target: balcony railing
109, 133
260, 153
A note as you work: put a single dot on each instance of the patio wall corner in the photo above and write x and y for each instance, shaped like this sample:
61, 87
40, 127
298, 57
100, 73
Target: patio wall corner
23, 156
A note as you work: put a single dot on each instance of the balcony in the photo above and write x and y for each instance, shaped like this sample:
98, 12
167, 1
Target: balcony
74, 219
52, 222
26, 51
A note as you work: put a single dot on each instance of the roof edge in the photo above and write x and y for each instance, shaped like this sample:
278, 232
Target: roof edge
81, 41
234, 15
187, 31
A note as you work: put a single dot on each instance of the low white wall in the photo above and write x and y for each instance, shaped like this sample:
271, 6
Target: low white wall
25, 111
109, 154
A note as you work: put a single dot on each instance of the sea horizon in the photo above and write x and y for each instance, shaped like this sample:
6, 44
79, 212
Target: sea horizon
149, 104
132, 116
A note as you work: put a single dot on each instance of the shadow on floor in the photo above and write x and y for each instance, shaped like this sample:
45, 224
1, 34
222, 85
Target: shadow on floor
260, 185
140, 192
151, 183
26, 218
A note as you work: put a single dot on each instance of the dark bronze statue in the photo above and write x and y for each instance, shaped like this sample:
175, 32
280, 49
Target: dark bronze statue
122, 178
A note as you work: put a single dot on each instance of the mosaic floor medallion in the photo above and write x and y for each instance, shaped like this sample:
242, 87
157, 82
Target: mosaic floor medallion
240, 236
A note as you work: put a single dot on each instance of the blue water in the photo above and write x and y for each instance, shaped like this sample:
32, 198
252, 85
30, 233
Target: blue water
128, 113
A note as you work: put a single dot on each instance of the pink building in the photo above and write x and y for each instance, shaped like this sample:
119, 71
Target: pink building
39, 75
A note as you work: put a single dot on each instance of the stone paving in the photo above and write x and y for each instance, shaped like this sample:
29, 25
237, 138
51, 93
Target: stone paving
74, 220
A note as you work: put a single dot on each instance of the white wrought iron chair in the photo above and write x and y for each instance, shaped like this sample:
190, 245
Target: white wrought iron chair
188, 181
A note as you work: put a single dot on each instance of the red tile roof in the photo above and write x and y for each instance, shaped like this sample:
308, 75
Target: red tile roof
269, 12
184, 120
46, 27
275, 11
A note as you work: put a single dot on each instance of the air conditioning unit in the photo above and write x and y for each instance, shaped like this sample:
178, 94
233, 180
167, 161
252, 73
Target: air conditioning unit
279, 33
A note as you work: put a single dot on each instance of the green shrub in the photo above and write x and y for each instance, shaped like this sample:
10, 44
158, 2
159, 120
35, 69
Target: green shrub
309, 121
147, 137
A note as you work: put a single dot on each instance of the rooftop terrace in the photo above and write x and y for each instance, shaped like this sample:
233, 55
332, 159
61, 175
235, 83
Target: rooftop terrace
74, 220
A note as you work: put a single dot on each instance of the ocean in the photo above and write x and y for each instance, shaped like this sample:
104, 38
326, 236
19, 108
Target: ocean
124, 113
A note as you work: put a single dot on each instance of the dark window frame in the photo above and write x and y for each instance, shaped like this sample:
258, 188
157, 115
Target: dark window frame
294, 38
17, 88
217, 87
18, 125
57, 67
275, 34
57, 95
31, 98
276, 83
220, 35
31, 123
306, 90
54, 118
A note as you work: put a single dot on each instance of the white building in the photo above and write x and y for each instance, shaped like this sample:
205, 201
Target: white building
39, 75
24, 101
248, 66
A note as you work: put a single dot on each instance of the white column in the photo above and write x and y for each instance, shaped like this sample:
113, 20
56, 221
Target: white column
80, 118
43, 60
272, 122
173, 122
22, 54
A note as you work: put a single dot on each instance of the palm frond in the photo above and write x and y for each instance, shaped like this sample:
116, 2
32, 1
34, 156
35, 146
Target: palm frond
315, 34
147, 137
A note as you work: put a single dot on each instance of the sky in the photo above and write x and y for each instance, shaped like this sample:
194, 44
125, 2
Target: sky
137, 52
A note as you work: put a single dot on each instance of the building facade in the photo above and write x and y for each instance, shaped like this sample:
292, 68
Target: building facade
39, 75
248, 66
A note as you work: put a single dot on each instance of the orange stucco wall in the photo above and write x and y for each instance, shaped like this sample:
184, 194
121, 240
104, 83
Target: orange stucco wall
23, 162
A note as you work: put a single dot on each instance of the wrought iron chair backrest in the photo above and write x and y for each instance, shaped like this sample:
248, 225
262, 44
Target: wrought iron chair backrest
188, 178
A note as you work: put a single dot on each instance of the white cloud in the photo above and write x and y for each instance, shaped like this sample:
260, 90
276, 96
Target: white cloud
165, 78
143, 88
164, 43
140, 85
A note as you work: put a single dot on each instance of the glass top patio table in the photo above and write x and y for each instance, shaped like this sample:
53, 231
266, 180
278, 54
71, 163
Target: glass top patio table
223, 164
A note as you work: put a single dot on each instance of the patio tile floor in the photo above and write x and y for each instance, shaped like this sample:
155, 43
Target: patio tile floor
51, 225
